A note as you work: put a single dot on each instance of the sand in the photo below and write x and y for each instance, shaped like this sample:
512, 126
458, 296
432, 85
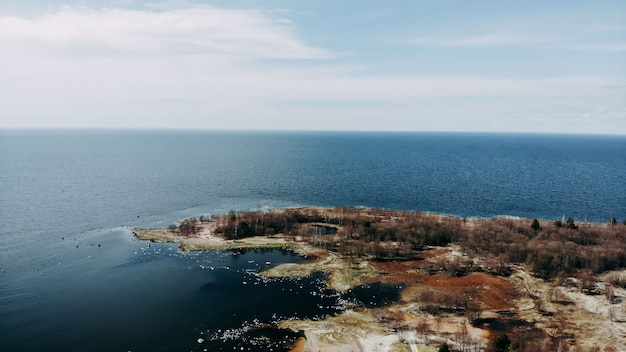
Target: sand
365, 330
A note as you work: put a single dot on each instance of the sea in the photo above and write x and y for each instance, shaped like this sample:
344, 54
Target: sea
73, 277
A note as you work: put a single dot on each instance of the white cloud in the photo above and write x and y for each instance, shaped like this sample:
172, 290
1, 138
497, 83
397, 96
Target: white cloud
518, 40
215, 68
197, 30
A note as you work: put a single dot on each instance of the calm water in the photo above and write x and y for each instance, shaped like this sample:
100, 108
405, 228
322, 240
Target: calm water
74, 279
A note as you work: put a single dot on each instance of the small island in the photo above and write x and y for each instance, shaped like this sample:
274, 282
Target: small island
475, 284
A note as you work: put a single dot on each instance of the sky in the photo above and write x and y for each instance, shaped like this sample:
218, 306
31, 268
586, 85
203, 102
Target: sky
469, 66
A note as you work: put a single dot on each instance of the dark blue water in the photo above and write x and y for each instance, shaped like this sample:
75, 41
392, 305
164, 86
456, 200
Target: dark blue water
114, 294
63, 189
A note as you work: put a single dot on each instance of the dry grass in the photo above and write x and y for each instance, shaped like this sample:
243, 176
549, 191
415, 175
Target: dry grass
584, 322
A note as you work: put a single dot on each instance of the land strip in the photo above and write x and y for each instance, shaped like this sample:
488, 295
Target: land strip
466, 281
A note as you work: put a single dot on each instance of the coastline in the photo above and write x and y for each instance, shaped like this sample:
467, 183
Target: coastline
421, 319
206, 240
298, 345
342, 275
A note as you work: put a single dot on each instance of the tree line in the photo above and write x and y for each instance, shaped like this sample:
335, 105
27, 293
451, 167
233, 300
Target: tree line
549, 249
552, 249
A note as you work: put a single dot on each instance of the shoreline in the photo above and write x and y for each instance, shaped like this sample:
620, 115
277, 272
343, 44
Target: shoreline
422, 318
205, 240
341, 276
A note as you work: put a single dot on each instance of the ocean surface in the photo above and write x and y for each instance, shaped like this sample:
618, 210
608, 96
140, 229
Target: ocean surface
73, 278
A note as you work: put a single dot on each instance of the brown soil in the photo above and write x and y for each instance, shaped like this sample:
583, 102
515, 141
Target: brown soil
582, 322
494, 293
298, 346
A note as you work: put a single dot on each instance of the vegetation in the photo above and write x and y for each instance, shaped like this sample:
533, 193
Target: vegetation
405, 247
359, 233
549, 251
501, 343
188, 227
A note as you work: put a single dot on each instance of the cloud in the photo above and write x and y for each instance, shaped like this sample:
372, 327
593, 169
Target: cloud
482, 40
204, 67
196, 30
518, 40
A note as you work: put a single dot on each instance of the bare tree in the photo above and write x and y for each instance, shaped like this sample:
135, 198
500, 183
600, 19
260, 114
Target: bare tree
612, 311
609, 292
474, 310
438, 322
422, 330
188, 227
587, 280
462, 336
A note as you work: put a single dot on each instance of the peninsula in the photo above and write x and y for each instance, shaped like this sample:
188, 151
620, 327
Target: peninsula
494, 284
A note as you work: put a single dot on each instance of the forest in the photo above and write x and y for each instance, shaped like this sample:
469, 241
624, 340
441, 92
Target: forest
550, 249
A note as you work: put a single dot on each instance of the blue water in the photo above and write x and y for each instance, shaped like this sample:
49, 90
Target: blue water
63, 189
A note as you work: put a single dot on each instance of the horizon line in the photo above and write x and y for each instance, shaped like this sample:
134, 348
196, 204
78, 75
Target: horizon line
175, 129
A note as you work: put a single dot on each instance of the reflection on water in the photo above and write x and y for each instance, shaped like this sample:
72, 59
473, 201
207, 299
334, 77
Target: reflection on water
375, 295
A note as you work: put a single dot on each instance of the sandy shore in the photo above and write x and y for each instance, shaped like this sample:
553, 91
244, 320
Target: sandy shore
395, 328
206, 239
299, 345
349, 332
353, 330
